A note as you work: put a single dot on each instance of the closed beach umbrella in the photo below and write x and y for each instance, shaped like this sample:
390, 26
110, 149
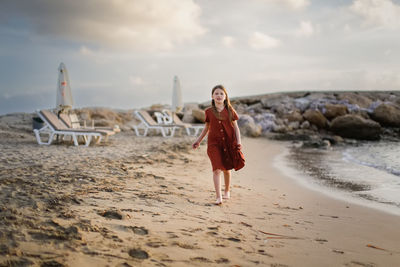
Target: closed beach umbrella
177, 103
64, 95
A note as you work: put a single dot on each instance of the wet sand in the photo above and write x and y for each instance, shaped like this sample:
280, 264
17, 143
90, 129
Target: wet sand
148, 201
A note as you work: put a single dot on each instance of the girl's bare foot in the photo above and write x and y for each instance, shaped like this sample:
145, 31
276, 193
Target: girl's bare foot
218, 201
227, 195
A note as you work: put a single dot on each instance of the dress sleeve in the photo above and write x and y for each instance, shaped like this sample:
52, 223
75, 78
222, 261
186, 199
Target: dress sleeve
235, 116
207, 116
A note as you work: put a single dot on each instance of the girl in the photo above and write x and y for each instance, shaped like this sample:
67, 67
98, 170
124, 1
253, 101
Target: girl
223, 133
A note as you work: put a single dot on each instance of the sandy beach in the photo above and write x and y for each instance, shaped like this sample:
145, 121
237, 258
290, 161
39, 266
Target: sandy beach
148, 201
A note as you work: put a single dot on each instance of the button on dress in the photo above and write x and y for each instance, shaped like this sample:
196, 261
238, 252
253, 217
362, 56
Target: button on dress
221, 135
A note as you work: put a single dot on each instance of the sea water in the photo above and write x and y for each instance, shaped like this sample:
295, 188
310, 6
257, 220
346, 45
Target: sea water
367, 173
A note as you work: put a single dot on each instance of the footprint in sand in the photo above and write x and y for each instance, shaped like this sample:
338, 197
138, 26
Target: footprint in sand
201, 259
51, 263
138, 254
321, 240
139, 230
184, 245
172, 235
358, 264
233, 239
155, 244
222, 260
112, 214
263, 252
212, 233
18, 262
278, 265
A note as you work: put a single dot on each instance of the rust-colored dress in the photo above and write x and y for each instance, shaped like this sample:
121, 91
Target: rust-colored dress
221, 135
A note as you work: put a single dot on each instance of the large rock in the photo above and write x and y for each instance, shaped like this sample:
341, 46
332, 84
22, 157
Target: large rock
315, 117
387, 115
187, 112
103, 116
199, 115
302, 103
278, 104
294, 116
335, 110
266, 121
248, 127
354, 126
356, 99
240, 108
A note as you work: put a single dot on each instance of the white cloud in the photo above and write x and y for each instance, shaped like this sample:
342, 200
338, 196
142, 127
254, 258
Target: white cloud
136, 80
129, 24
383, 13
85, 51
295, 4
306, 29
347, 28
259, 41
228, 41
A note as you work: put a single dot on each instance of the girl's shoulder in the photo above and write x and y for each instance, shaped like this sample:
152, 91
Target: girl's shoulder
209, 109
209, 114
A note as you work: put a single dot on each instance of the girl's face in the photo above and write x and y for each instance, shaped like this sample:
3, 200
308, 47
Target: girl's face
219, 96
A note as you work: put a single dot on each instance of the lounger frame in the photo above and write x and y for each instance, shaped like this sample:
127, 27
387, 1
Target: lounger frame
147, 123
191, 129
53, 128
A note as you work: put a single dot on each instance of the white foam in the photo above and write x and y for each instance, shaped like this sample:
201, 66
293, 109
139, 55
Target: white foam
386, 192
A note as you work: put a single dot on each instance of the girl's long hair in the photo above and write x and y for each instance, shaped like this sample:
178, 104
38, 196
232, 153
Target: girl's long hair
227, 103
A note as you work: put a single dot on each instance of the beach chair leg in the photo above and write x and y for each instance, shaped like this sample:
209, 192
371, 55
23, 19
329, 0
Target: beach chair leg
39, 139
172, 132
136, 130
88, 139
51, 136
75, 140
188, 132
162, 132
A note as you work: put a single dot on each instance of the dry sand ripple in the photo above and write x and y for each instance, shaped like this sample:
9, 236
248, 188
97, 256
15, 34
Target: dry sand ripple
131, 201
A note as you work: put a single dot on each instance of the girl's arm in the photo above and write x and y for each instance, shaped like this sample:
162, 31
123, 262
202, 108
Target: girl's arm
237, 131
200, 138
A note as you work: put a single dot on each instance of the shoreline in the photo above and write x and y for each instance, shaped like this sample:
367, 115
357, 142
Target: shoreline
308, 181
332, 219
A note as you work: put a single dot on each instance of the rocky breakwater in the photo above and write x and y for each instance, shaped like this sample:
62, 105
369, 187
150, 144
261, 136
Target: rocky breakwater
106, 117
319, 118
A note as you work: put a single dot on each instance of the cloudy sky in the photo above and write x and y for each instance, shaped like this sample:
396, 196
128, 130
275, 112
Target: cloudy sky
125, 53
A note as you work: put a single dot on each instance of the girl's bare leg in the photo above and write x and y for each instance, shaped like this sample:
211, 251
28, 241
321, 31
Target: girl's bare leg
227, 178
217, 185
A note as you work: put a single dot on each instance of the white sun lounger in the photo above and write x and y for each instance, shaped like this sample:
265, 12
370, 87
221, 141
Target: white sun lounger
147, 123
72, 121
54, 126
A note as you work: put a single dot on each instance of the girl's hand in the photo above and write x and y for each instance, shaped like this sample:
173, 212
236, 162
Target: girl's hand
195, 145
239, 146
